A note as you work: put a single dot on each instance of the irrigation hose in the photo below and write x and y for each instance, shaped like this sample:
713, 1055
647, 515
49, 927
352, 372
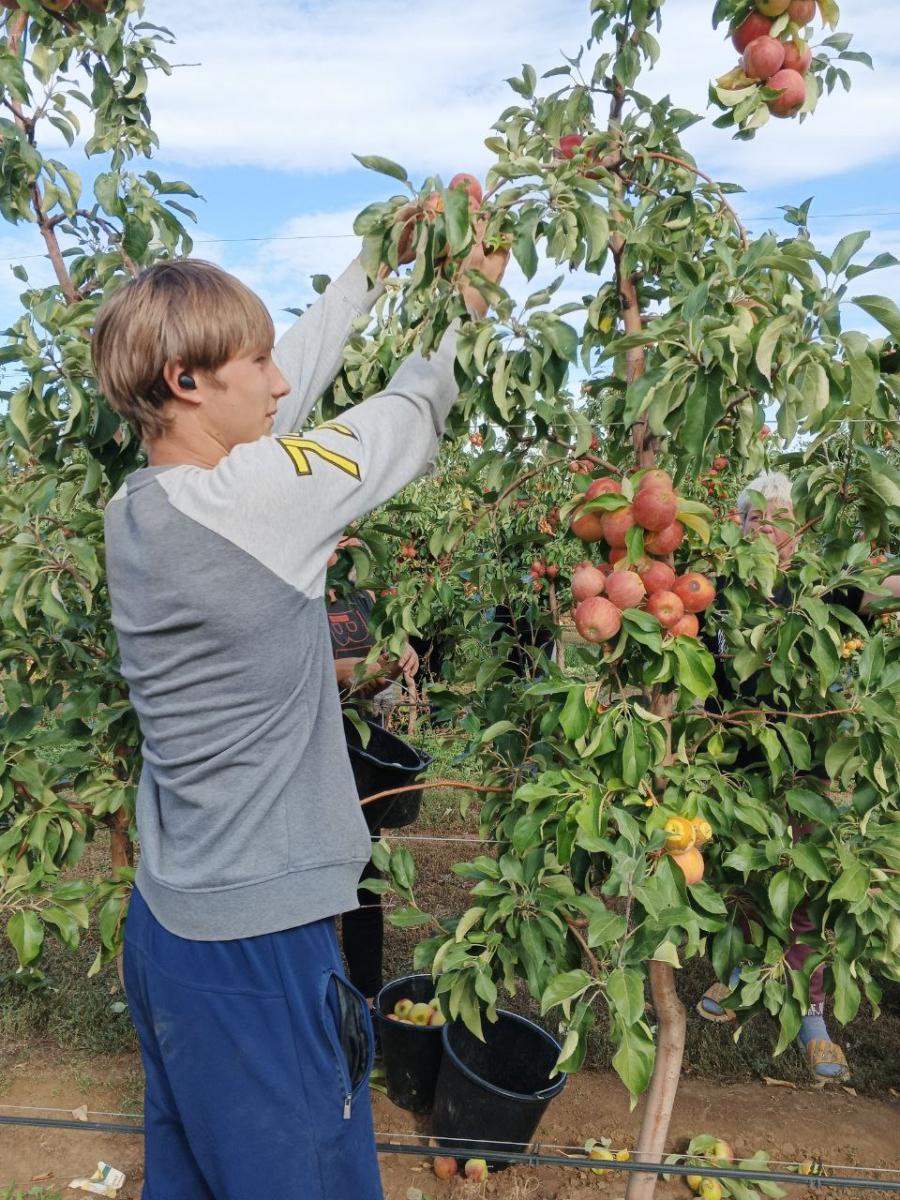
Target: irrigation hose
529, 1159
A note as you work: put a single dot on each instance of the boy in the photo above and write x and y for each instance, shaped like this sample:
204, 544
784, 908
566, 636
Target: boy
256, 1049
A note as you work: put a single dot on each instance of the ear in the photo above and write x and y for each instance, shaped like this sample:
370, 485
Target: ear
172, 373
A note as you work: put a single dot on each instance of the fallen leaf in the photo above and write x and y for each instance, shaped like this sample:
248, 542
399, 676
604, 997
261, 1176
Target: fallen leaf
850, 1091
42, 1178
80, 1114
783, 1083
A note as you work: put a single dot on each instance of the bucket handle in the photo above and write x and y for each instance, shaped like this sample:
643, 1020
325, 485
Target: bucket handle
546, 1094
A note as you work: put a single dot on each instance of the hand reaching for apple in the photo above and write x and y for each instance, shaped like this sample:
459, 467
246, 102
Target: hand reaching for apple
490, 263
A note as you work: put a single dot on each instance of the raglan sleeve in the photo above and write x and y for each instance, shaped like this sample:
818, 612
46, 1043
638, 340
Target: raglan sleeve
291, 496
309, 355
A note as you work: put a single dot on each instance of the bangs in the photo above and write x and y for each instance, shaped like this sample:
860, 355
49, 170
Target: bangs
220, 319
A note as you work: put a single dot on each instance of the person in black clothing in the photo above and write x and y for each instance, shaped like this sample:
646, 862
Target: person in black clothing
362, 930
826, 1059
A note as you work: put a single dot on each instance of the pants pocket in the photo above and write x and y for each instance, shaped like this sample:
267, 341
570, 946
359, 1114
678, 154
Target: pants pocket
348, 1027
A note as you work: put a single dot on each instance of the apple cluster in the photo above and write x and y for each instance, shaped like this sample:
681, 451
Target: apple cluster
408, 1012
775, 52
685, 836
603, 591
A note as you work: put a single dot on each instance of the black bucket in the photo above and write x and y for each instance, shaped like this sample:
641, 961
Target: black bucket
411, 1054
386, 762
500, 1087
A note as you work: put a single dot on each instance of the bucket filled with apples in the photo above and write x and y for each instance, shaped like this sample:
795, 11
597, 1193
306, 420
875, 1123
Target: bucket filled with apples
409, 1022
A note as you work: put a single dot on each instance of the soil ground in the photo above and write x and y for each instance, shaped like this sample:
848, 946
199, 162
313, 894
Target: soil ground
71, 1044
791, 1124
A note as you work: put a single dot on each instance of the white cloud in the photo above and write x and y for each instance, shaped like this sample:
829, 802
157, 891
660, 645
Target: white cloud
307, 84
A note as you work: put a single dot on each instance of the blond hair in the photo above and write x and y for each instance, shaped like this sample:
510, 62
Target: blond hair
182, 309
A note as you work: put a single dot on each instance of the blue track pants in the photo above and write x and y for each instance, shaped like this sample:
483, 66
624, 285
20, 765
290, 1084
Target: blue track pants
256, 1054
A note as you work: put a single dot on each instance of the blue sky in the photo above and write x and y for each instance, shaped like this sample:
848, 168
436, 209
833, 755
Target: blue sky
280, 93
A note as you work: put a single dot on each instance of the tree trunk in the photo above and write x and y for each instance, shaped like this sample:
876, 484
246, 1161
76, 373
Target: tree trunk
672, 1024
121, 847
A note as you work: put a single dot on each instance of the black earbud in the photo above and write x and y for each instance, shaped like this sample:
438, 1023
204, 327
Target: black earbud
187, 382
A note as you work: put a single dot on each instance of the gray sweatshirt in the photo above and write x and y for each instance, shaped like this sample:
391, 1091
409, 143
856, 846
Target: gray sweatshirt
248, 815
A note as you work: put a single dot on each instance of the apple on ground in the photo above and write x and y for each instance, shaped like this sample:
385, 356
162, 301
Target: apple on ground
602, 1155
476, 1170
445, 1168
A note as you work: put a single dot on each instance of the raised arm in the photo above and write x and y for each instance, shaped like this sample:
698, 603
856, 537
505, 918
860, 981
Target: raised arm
309, 355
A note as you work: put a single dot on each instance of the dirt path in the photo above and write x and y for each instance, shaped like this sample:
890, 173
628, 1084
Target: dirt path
790, 1124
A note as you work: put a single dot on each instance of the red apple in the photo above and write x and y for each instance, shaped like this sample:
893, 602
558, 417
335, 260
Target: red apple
792, 86
763, 57
445, 1168
615, 525
587, 526
617, 554
797, 56
625, 589
666, 607
802, 12
655, 507
603, 486
688, 626
655, 478
694, 591
755, 26
470, 184
657, 577
666, 540
568, 145
587, 581
597, 620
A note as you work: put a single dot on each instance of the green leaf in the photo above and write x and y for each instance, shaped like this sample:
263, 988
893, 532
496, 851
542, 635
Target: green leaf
625, 995
846, 991
852, 884
884, 310
633, 1061
846, 249
26, 933
469, 918
807, 857
575, 715
564, 987
384, 166
409, 918
495, 730
695, 667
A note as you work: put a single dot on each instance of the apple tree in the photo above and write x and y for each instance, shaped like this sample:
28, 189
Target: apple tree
69, 745
643, 816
